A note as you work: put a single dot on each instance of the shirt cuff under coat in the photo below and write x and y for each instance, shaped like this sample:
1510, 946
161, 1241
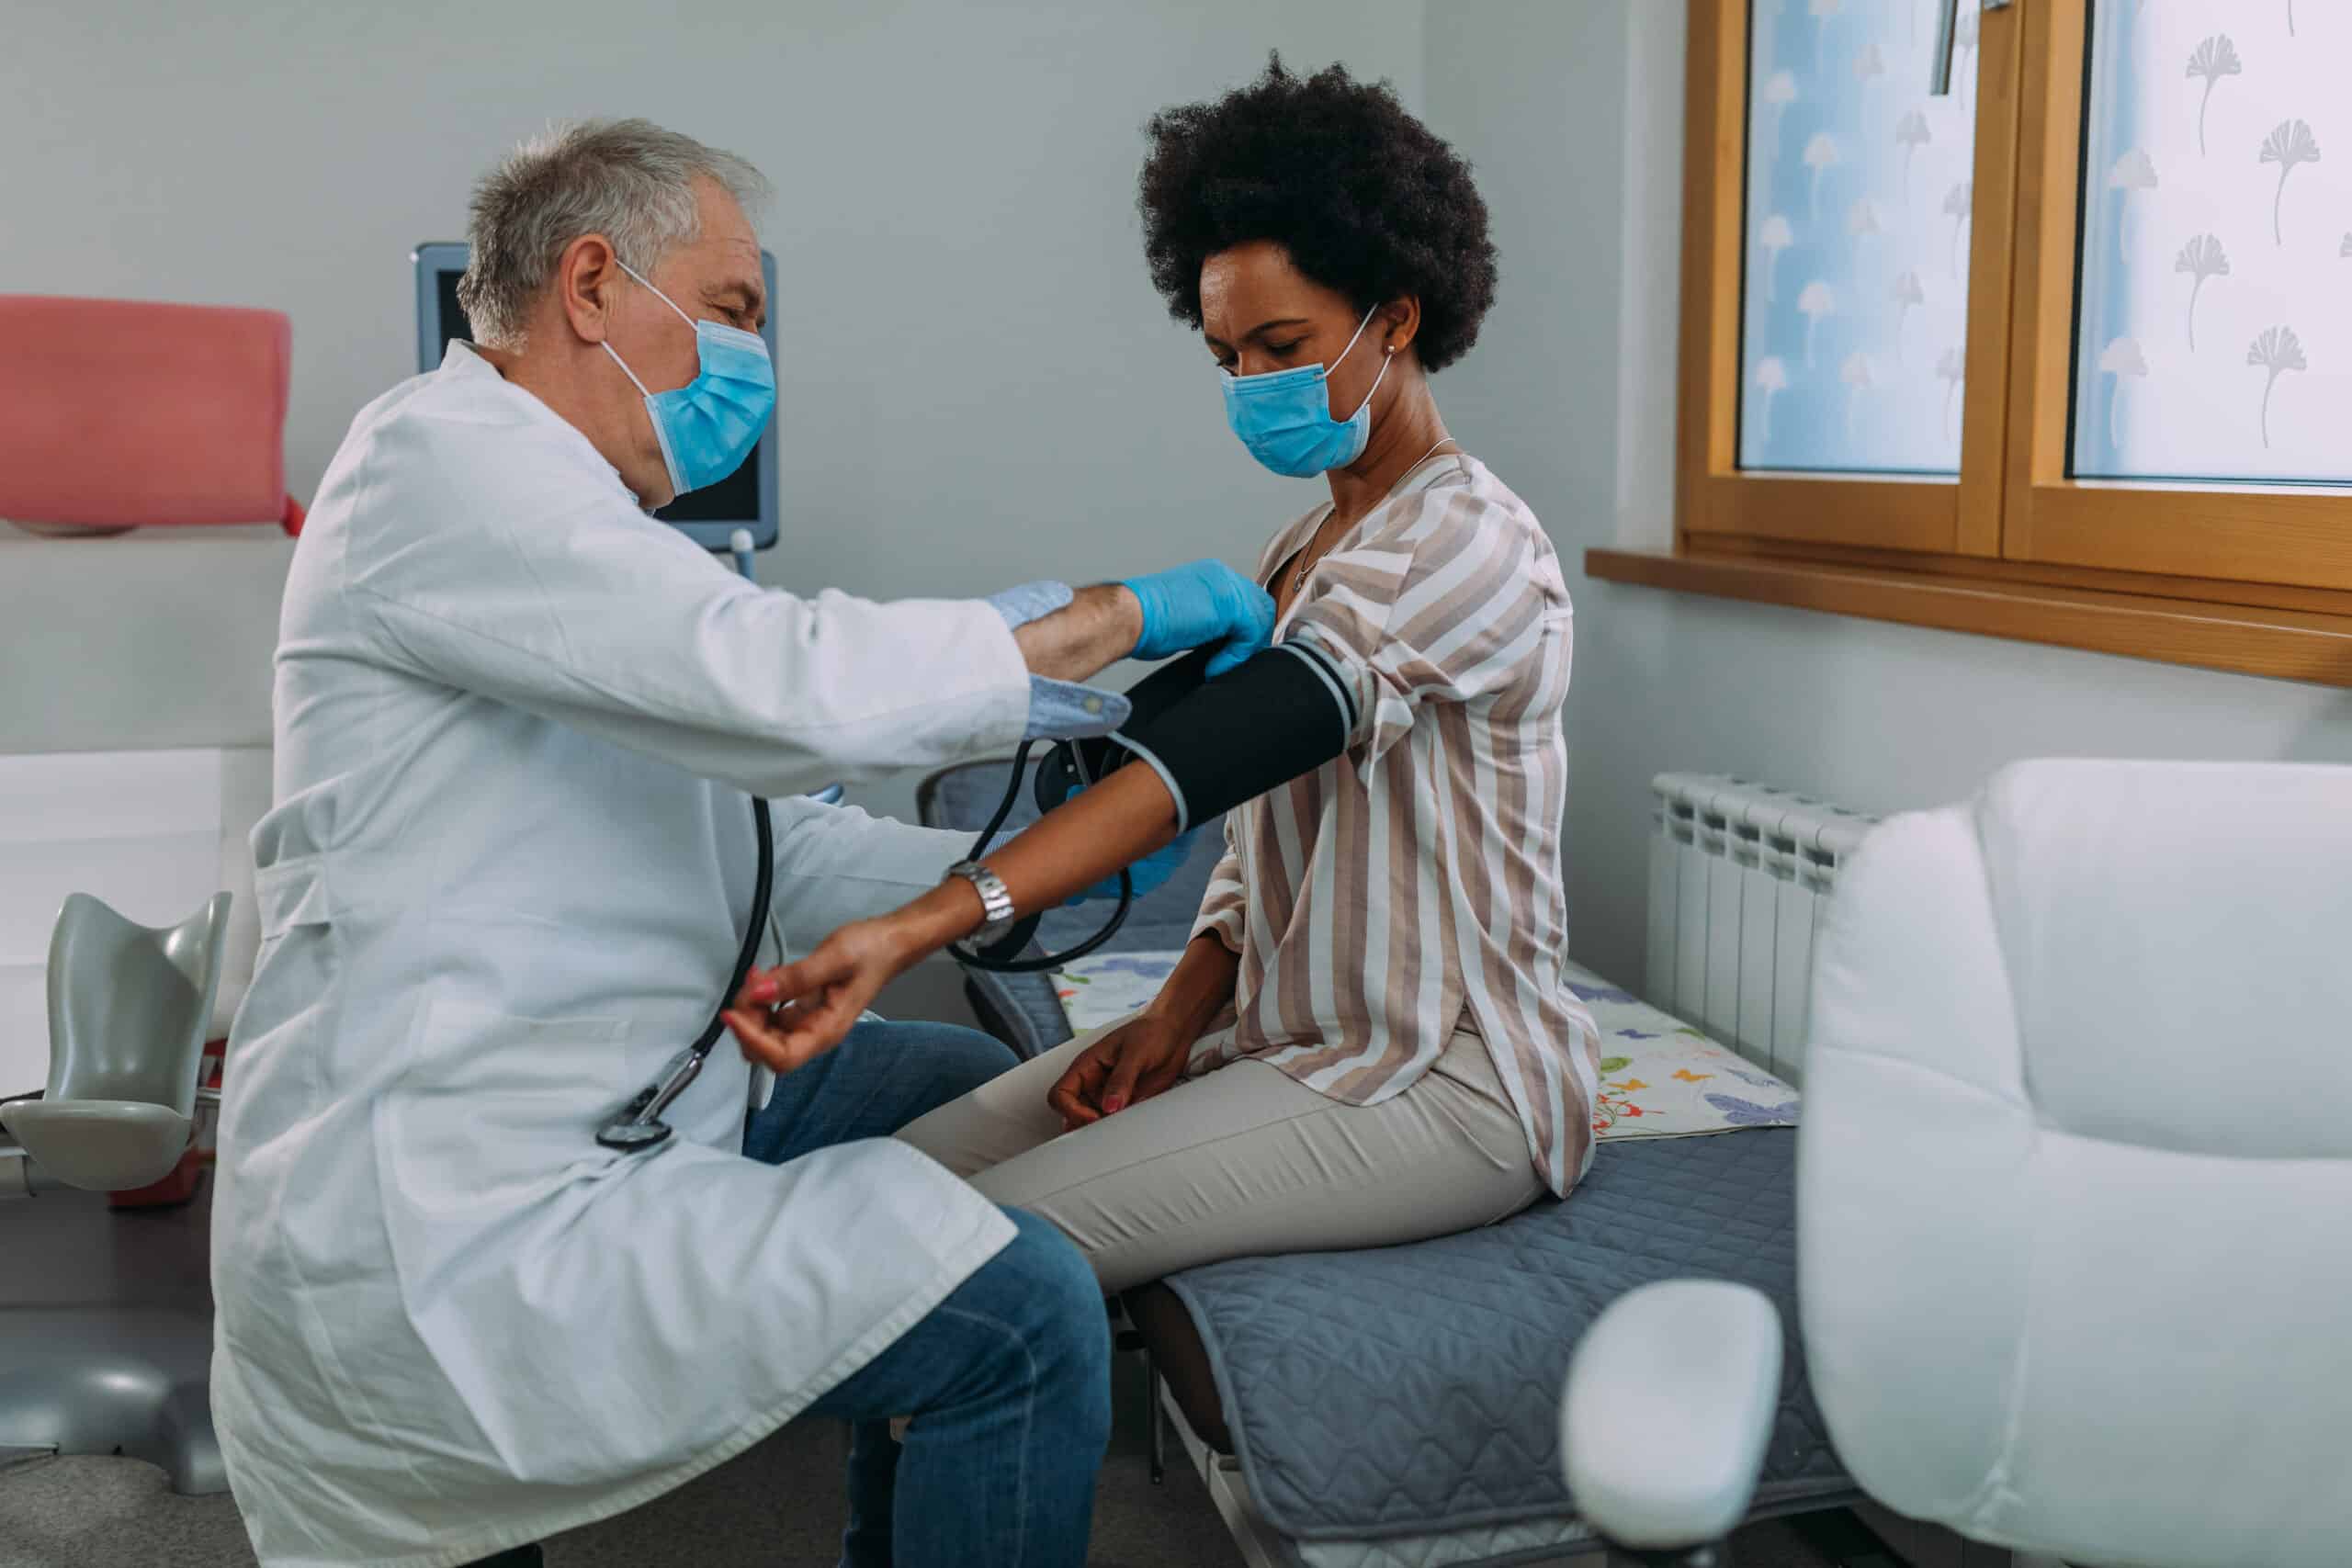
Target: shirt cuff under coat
1059, 710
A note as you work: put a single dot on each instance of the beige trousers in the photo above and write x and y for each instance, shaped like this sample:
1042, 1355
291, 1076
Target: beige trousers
1243, 1161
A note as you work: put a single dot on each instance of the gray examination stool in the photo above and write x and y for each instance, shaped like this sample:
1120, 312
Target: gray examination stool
105, 1333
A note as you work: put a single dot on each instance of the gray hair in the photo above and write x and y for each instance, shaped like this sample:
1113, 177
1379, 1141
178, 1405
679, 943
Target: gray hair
628, 180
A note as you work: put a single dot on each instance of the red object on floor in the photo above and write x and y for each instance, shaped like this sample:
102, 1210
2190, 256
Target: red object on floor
181, 1184
175, 1189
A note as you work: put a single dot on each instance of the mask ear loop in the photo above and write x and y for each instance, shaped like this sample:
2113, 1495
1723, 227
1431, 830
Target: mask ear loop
1352, 342
627, 372
673, 306
660, 436
1386, 360
673, 303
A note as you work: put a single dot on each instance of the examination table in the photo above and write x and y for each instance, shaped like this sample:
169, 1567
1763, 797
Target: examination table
1400, 1405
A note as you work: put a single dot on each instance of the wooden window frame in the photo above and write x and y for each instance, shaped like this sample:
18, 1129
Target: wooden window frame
2276, 534
2255, 581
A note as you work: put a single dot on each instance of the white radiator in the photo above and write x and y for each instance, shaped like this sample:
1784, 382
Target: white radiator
1739, 875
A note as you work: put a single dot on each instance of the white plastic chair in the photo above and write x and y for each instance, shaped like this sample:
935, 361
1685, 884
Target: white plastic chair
2074, 1192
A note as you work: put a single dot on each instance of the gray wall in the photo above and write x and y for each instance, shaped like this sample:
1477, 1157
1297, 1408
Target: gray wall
1570, 109
979, 385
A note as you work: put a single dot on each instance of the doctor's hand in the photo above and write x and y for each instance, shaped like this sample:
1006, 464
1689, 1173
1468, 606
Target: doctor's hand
784, 1018
1206, 603
1139, 1059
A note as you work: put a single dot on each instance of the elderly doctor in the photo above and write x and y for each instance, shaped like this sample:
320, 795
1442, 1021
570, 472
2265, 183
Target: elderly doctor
505, 880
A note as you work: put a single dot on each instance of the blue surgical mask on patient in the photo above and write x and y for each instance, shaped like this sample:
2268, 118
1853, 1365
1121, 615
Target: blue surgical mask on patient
710, 425
1284, 416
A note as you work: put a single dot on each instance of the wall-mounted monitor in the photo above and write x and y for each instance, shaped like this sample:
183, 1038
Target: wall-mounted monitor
745, 499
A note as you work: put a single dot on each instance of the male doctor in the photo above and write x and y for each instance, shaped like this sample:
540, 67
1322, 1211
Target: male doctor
505, 879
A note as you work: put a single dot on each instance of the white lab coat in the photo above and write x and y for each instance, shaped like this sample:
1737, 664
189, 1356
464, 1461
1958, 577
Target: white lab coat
504, 880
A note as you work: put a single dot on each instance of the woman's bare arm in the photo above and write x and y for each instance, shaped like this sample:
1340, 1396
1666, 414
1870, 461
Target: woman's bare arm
1199, 987
785, 1016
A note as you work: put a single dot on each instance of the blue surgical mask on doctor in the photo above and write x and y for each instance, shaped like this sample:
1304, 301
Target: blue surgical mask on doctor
710, 425
1284, 416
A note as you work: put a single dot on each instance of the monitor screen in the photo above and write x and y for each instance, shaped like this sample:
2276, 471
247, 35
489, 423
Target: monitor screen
745, 499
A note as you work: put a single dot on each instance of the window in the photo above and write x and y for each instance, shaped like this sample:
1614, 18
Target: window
2063, 351
1854, 284
2189, 210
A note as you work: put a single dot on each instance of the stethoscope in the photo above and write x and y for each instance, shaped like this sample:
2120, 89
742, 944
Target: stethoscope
1061, 775
638, 1125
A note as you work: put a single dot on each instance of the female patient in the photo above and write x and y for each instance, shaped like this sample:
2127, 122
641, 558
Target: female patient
1368, 1040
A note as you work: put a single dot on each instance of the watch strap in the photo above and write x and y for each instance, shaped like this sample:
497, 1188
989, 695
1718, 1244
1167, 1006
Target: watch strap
996, 901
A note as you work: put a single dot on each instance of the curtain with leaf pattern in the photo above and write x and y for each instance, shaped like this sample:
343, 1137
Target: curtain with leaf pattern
2215, 336
1857, 203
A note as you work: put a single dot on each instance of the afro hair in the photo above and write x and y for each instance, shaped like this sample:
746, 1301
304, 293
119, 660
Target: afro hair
1365, 200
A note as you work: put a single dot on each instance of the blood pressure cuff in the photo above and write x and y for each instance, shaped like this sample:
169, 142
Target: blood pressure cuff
1217, 743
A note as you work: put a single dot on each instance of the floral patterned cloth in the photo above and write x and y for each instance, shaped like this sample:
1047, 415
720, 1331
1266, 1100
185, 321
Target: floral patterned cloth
1107, 986
1659, 1078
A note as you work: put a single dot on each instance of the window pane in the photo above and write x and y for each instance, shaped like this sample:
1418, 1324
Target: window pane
2215, 342
1855, 309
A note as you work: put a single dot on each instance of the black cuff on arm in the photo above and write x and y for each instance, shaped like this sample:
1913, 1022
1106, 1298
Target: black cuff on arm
1146, 700
1217, 743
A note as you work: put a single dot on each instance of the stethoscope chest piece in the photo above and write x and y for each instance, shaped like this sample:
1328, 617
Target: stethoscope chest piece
628, 1137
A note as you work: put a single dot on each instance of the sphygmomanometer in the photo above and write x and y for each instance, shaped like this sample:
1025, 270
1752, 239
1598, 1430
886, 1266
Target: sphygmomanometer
1215, 743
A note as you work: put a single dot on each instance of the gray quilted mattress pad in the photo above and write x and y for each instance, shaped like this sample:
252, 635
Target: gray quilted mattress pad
1412, 1390
1415, 1390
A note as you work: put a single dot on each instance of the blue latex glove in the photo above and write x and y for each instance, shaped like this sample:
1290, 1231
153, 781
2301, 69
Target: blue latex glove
1206, 602
1149, 873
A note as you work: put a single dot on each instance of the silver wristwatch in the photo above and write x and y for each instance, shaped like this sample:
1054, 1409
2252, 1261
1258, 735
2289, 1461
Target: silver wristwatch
996, 902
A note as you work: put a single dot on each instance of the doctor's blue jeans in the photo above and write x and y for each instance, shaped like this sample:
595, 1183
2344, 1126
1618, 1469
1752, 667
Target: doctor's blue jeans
1008, 1380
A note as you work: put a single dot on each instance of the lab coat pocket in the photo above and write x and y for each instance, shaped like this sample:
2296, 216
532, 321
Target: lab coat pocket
292, 893
291, 1002
485, 1154
485, 1124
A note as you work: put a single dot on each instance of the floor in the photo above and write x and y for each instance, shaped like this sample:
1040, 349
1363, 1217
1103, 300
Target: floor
778, 1506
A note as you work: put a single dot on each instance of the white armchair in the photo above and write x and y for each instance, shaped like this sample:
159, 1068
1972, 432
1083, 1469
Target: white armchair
2075, 1186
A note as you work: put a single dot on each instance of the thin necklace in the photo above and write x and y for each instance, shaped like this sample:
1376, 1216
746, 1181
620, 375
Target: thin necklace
1299, 582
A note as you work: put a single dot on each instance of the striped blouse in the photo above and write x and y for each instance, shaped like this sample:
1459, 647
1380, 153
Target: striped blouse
1412, 887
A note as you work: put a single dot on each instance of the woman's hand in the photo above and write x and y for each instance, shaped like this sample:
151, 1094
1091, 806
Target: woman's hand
1147, 1054
786, 1017
1141, 1057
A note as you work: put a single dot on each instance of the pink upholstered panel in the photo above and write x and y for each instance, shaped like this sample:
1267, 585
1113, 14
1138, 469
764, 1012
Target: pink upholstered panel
116, 412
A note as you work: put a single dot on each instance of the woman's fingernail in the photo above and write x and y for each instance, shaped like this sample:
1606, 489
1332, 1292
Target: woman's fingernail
1113, 1103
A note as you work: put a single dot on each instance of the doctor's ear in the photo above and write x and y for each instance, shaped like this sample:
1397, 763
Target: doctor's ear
587, 275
